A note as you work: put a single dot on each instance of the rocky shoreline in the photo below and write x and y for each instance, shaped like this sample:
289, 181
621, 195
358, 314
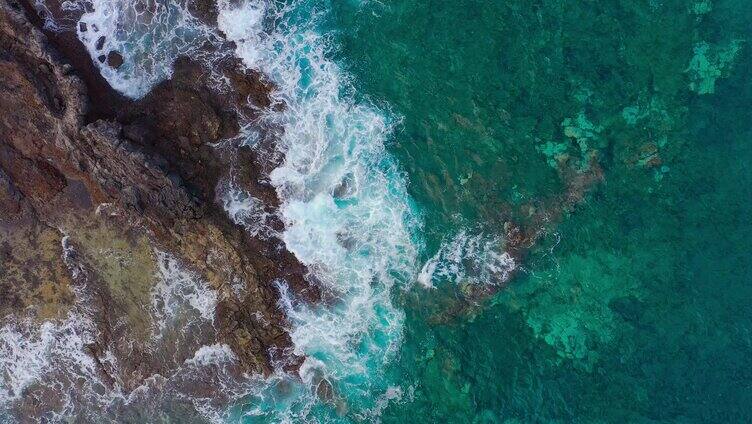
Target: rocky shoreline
94, 185
102, 196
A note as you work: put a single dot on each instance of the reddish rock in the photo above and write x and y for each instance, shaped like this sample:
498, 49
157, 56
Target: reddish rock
81, 163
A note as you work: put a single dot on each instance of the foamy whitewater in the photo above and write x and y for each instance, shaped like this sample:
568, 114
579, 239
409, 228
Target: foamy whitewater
150, 34
347, 213
177, 290
55, 351
475, 258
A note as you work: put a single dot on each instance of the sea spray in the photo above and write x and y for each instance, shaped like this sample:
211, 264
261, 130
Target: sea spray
179, 291
28, 353
467, 257
53, 360
149, 35
348, 216
247, 211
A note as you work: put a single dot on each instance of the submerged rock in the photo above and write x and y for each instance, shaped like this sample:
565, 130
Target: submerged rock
204, 10
709, 63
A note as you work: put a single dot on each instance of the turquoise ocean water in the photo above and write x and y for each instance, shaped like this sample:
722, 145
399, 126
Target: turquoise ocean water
635, 306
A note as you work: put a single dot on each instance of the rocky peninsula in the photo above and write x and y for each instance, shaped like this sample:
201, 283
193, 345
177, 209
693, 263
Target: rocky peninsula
98, 193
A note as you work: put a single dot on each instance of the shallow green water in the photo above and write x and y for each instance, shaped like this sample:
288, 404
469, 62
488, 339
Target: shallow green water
636, 305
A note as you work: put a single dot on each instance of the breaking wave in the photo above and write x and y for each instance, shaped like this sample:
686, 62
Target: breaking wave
468, 258
347, 213
149, 34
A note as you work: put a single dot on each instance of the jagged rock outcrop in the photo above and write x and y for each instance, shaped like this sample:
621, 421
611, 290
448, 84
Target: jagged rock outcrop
87, 205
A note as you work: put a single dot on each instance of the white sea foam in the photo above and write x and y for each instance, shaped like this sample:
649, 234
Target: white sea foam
247, 211
468, 258
344, 203
178, 289
53, 358
392, 395
212, 355
29, 353
52, 354
149, 34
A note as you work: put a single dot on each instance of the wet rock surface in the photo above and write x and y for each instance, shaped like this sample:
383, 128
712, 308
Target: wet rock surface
114, 60
204, 10
100, 194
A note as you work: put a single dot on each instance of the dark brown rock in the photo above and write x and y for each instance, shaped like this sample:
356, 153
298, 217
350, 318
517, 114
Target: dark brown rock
204, 10
144, 179
10, 197
100, 42
114, 60
249, 87
103, 101
180, 119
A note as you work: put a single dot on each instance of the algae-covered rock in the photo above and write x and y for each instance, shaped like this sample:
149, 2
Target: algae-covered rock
581, 130
126, 264
32, 276
582, 138
570, 310
650, 110
554, 152
701, 7
709, 63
